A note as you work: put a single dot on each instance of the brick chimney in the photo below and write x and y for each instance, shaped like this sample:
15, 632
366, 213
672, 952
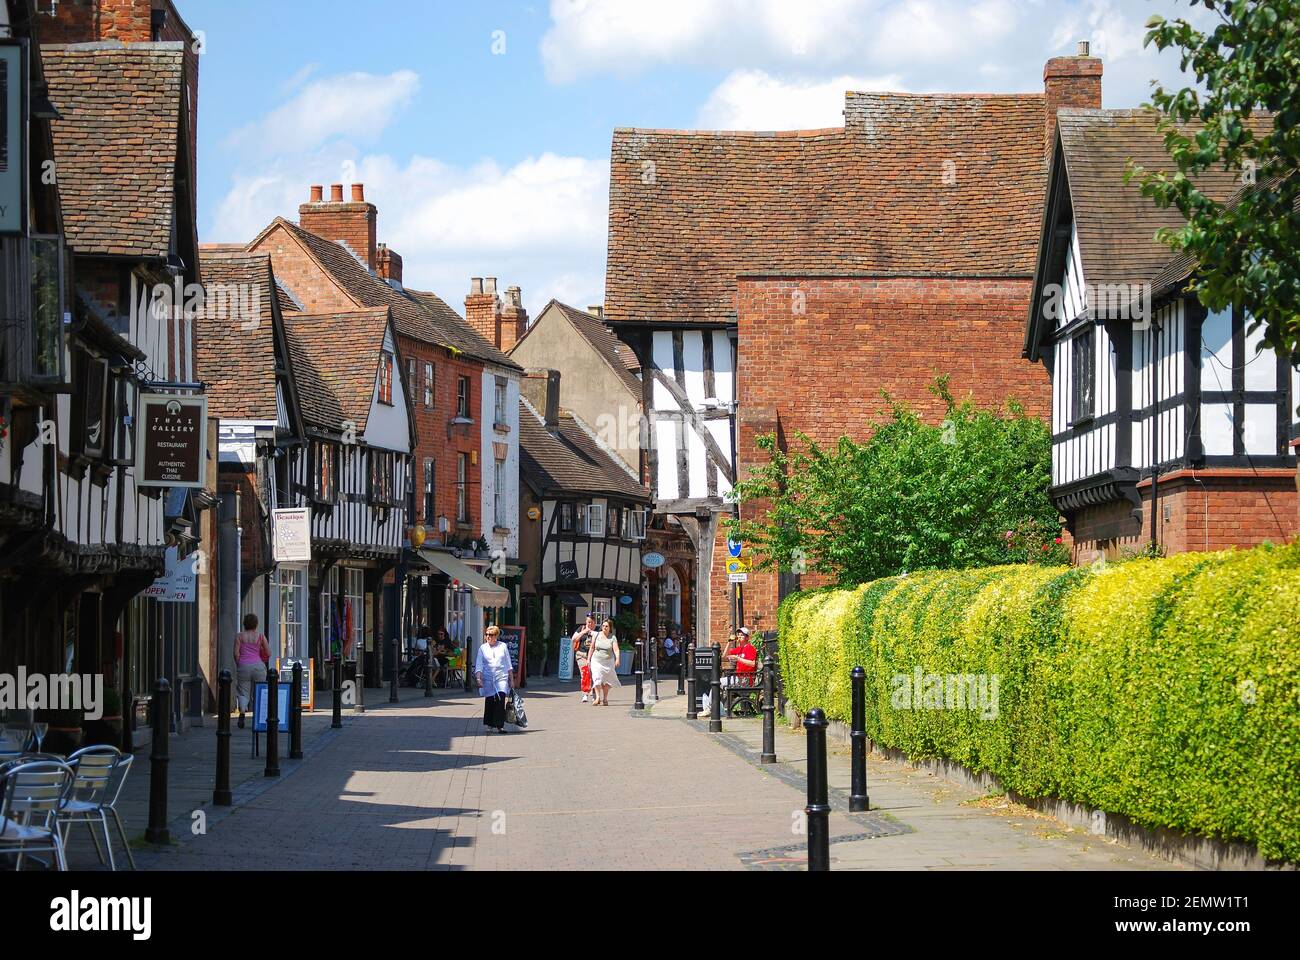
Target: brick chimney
88, 21
352, 223
388, 265
1070, 82
541, 388
514, 320
483, 308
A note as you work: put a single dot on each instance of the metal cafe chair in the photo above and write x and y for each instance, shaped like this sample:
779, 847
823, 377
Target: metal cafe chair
94, 797
455, 670
36, 790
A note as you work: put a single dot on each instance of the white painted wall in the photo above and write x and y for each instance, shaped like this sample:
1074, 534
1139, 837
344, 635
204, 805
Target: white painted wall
388, 426
508, 542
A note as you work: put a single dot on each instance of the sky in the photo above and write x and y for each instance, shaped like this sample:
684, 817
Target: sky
482, 130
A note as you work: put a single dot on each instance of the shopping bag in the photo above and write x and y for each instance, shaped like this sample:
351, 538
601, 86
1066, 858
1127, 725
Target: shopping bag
586, 679
516, 707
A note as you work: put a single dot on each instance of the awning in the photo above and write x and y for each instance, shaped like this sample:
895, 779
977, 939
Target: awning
486, 593
571, 599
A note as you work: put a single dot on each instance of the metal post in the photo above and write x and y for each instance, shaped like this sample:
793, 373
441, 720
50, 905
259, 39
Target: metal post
769, 711
392, 679
818, 809
338, 692
272, 723
157, 831
653, 646
715, 692
295, 714
692, 711
681, 669
221, 796
639, 656
858, 799
429, 661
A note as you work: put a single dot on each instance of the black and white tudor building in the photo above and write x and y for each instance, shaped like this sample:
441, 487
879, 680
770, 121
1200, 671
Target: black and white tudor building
1159, 407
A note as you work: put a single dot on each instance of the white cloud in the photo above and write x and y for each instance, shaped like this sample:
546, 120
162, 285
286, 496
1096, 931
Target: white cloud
356, 106
755, 100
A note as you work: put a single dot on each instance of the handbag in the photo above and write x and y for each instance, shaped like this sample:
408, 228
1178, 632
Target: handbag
515, 710
586, 679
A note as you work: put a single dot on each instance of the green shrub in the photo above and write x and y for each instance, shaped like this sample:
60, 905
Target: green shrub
1166, 690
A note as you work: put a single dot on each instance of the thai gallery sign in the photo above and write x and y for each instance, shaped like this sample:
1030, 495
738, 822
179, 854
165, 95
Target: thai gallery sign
13, 136
292, 536
171, 441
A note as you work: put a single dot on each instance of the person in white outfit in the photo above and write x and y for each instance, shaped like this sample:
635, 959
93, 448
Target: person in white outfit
604, 663
492, 670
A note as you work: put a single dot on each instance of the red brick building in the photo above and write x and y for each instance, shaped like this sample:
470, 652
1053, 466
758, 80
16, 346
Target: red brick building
779, 282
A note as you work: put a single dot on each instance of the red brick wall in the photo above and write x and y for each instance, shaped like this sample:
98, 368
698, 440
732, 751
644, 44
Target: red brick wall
84, 21
354, 223
1210, 510
1069, 82
301, 274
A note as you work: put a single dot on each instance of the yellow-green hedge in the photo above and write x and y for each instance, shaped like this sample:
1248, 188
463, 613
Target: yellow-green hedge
1165, 690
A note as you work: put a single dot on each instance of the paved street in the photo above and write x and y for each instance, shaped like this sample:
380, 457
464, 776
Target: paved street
420, 786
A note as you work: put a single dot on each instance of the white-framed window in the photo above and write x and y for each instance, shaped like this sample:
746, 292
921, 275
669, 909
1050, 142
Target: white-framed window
601, 608
291, 584
428, 385
501, 401
670, 597
462, 480
462, 398
591, 519
634, 523
498, 496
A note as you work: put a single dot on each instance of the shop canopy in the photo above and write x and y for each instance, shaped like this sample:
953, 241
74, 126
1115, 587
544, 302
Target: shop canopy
486, 593
571, 599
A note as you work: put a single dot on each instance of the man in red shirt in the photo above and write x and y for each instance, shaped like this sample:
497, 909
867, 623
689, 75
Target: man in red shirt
743, 656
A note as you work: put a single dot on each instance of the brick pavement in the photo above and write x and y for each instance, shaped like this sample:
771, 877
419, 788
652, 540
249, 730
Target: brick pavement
419, 785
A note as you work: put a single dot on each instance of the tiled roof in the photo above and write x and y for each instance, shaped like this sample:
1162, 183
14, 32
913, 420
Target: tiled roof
335, 361
569, 461
116, 144
454, 332
913, 184
1115, 223
602, 339
235, 350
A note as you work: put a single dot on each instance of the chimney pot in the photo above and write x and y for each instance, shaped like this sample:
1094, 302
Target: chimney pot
336, 193
514, 296
597, 311
490, 285
358, 193
1084, 47
553, 400
317, 194
476, 286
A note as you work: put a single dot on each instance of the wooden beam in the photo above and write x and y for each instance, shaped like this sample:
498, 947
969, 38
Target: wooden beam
711, 447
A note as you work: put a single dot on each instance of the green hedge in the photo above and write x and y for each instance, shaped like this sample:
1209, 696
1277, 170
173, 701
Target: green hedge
1166, 690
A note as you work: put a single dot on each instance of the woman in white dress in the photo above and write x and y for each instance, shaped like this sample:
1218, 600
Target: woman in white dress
492, 670
604, 661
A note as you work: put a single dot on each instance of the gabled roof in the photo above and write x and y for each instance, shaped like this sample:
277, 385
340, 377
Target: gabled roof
236, 333
454, 333
613, 351
117, 143
911, 185
335, 360
569, 461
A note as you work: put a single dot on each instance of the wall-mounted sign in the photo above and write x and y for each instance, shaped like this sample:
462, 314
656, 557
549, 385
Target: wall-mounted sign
13, 136
171, 441
737, 566
568, 570
180, 583
292, 533
735, 548
653, 561
625, 600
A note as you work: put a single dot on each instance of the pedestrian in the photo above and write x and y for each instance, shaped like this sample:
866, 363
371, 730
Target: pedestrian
604, 661
252, 655
583, 638
493, 670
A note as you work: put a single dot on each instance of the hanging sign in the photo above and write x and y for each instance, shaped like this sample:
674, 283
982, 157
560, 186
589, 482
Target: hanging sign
292, 532
179, 584
171, 441
13, 136
653, 561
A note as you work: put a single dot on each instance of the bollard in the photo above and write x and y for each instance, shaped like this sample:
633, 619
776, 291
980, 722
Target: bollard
681, 672
692, 711
818, 809
338, 693
858, 799
392, 679
221, 796
769, 711
272, 723
715, 692
157, 831
429, 662
639, 656
295, 714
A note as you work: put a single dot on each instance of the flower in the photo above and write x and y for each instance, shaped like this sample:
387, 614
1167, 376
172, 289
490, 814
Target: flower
1047, 546
1059, 541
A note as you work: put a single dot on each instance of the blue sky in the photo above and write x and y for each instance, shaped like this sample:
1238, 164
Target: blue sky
482, 130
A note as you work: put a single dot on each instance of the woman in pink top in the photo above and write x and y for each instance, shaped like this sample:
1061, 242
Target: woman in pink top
252, 653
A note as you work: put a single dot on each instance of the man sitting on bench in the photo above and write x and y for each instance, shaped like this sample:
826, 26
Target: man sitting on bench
742, 659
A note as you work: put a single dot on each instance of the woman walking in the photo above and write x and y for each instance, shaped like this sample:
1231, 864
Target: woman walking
252, 654
493, 670
604, 661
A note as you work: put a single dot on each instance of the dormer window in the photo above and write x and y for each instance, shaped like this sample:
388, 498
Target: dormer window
386, 379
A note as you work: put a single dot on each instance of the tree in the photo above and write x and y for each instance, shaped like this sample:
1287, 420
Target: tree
970, 492
1247, 248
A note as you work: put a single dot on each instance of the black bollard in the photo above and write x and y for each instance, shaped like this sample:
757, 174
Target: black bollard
221, 796
769, 711
639, 656
430, 661
858, 799
157, 831
715, 692
392, 678
295, 714
818, 809
272, 723
692, 707
338, 693
681, 671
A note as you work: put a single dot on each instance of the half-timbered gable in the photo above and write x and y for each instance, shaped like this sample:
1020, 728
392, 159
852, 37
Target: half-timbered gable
1158, 405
